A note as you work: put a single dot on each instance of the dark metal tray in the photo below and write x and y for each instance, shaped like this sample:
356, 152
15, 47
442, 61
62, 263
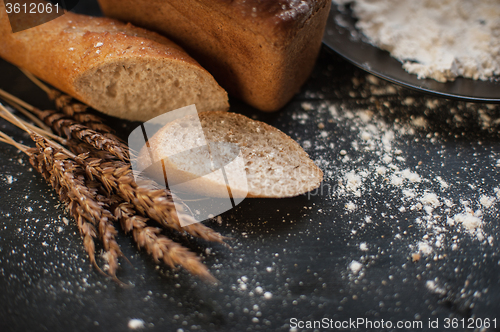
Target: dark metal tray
342, 36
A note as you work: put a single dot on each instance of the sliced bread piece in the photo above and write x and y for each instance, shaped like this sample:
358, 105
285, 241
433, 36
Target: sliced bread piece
270, 163
114, 67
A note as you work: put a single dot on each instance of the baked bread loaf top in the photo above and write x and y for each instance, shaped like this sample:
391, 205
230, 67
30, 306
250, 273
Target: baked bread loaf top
261, 51
270, 163
116, 68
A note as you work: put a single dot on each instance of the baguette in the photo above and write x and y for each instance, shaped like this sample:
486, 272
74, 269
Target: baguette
274, 164
116, 68
260, 51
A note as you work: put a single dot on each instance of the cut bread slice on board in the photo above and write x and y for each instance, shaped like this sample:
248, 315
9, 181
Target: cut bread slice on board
258, 159
116, 68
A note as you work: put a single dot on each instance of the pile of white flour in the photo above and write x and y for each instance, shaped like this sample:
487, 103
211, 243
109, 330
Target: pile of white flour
435, 39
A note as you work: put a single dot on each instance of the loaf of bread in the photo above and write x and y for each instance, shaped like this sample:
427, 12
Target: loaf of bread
261, 51
116, 68
259, 160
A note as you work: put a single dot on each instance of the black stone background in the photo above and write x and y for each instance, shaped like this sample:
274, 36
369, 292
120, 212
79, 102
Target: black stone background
47, 284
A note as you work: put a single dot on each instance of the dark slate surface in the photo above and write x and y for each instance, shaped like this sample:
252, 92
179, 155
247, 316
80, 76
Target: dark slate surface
298, 249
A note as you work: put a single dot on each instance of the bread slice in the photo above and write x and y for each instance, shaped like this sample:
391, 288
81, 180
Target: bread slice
259, 160
260, 51
116, 68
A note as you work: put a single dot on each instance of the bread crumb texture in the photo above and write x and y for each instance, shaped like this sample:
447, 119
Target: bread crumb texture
116, 68
274, 164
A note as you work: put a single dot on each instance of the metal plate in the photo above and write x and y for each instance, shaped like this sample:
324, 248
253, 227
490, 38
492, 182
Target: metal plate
342, 37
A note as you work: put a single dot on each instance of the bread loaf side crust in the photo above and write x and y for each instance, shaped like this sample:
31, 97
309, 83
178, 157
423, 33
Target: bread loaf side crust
260, 51
64, 50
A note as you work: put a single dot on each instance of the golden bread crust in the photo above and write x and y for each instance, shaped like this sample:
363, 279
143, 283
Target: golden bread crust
260, 51
61, 51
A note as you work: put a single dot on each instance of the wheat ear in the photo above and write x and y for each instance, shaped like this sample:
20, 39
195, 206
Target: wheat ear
157, 204
157, 245
70, 128
83, 200
69, 106
39, 161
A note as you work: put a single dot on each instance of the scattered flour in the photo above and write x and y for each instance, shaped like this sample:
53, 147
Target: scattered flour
135, 324
424, 248
10, 179
435, 39
432, 202
470, 221
355, 266
487, 201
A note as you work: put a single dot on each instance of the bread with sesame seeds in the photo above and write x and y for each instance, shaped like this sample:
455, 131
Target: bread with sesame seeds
116, 68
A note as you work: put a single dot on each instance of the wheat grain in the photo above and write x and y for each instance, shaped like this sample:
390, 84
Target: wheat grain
69, 106
155, 203
101, 164
46, 163
157, 245
70, 128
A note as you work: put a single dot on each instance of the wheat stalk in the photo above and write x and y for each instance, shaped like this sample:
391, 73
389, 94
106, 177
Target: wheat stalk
157, 245
73, 190
70, 128
115, 176
156, 204
47, 163
69, 106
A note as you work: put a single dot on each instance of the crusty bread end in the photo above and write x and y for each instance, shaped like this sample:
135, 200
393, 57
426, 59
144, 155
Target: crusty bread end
116, 68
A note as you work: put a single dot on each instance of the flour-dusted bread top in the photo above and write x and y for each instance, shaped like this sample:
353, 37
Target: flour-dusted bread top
275, 165
114, 67
273, 18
